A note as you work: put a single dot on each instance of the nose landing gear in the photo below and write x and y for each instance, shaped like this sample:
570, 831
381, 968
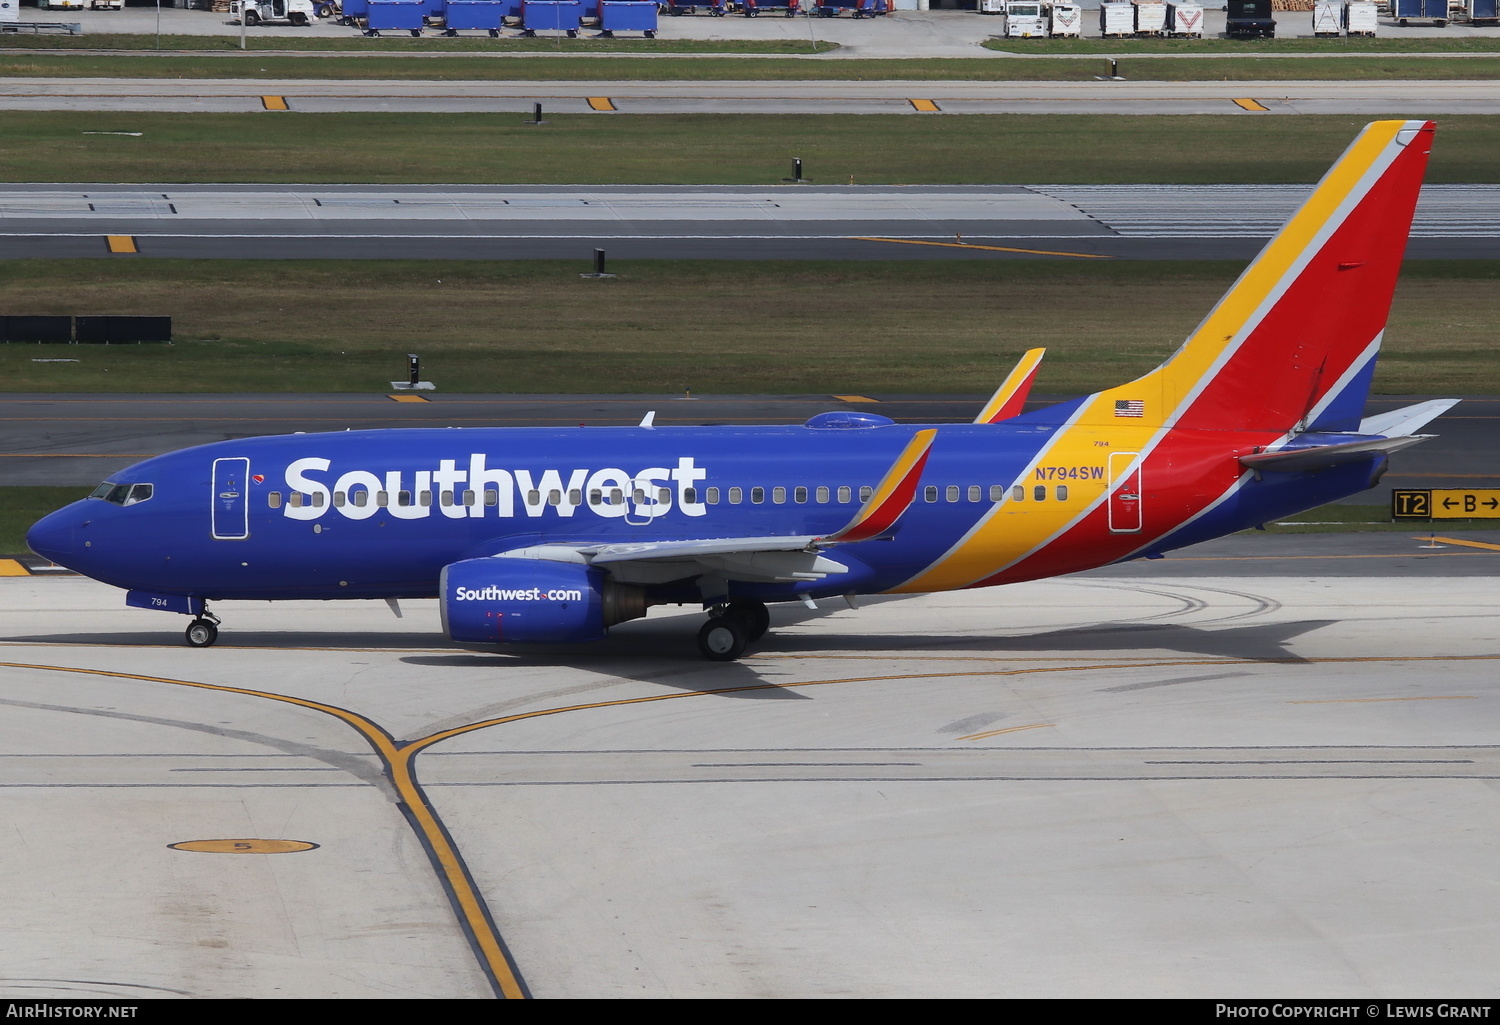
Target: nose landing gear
204, 630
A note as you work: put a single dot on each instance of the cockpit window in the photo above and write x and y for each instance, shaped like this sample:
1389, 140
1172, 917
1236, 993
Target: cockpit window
122, 494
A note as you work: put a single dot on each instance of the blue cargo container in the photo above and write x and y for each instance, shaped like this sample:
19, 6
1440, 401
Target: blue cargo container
551, 16
474, 14
1435, 11
627, 16
395, 15
352, 11
433, 8
1484, 11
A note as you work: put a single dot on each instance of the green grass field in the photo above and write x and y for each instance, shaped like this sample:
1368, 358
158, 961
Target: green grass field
704, 148
663, 326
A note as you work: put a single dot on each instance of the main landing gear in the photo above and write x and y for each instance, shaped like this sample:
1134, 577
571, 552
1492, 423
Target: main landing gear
731, 628
204, 630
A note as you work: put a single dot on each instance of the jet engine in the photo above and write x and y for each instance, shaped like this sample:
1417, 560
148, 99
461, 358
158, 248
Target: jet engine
498, 599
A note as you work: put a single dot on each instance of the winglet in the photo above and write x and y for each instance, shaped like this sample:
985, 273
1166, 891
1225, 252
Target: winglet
886, 504
1011, 395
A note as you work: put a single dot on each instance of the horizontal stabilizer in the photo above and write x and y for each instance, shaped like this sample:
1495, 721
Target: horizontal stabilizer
1010, 397
1407, 420
1323, 456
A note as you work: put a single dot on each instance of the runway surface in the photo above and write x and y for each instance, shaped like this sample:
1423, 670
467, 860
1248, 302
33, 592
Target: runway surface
694, 222
280, 97
1269, 772
81, 439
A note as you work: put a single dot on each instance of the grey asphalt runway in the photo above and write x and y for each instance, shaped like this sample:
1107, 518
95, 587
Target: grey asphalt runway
696, 222
81, 439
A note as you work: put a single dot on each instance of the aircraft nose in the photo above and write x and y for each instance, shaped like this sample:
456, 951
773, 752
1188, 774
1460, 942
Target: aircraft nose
51, 537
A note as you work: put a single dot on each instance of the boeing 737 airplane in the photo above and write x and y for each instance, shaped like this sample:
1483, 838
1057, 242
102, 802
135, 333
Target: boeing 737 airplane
548, 535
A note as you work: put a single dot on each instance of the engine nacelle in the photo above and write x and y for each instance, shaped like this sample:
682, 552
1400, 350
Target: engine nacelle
498, 599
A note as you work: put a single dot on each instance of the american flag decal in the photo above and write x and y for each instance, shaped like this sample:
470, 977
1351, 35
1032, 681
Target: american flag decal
1130, 407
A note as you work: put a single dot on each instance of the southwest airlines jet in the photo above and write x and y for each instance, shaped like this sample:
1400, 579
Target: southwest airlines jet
554, 535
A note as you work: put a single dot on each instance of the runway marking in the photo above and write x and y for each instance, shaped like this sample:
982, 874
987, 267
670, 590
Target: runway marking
970, 245
77, 455
121, 243
1008, 729
854, 398
469, 906
601, 103
408, 398
12, 568
926, 106
1458, 541
1250, 105
279, 103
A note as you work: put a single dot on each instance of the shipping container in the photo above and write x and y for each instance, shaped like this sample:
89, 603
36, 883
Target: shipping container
1065, 20
1435, 11
1328, 18
1150, 17
1118, 19
1184, 20
1484, 12
1360, 18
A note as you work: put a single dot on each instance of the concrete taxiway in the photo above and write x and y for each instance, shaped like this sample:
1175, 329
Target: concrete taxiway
695, 222
1250, 774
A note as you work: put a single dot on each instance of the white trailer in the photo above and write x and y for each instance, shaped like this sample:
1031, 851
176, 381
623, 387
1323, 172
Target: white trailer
1328, 17
1360, 18
1150, 17
106, 5
1116, 19
1067, 20
1025, 19
991, 6
1185, 20
60, 5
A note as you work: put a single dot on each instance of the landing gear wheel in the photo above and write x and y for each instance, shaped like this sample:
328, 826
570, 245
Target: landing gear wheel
753, 617
201, 633
722, 639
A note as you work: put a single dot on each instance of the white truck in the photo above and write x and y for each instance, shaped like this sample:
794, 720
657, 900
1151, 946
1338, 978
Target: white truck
1066, 20
291, 12
1185, 21
1025, 19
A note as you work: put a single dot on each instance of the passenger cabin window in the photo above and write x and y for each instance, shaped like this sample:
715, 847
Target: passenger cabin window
1062, 492
274, 499
757, 495
822, 496
845, 496
929, 494
736, 496
997, 492
712, 494
865, 493
1039, 492
799, 496
778, 495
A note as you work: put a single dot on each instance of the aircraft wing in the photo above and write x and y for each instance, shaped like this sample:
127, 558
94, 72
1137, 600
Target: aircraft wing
715, 561
751, 559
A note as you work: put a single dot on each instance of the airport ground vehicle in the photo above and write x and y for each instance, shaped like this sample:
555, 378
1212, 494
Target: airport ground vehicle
291, 12
1249, 19
553, 535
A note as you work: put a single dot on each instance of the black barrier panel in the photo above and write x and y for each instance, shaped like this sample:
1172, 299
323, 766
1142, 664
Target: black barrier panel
139, 329
92, 330
38, 329
102, 330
